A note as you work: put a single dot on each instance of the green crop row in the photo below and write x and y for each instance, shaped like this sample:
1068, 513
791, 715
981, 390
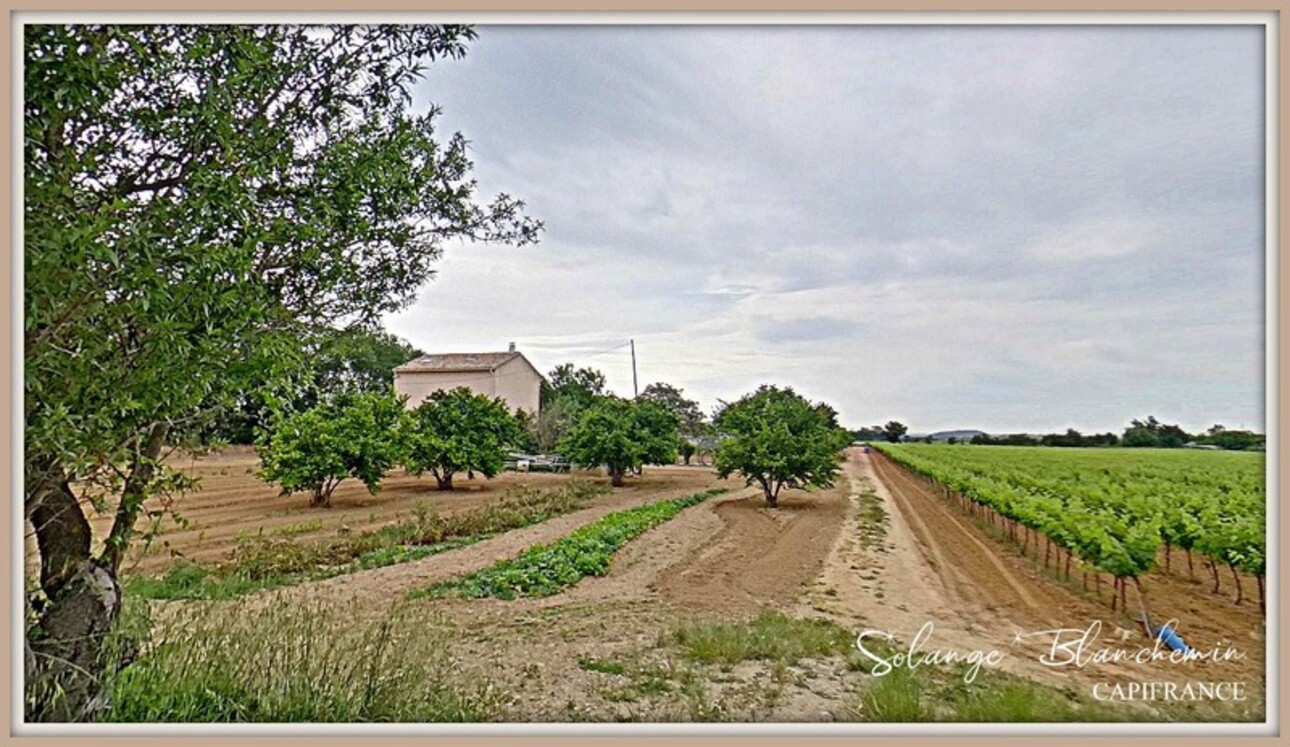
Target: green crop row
543, 570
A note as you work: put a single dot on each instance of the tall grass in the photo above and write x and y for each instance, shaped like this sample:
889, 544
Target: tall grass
284, 663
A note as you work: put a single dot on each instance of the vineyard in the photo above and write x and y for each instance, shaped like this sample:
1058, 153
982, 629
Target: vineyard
1116, 511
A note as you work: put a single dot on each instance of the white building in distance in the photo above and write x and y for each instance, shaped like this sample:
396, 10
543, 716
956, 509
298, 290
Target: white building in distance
507, 375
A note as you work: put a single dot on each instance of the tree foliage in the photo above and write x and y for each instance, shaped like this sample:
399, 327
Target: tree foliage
340, 361
199, 199
894, 430
1151, 433
565, 394
458, 431
777, 438
622, 435
314, 450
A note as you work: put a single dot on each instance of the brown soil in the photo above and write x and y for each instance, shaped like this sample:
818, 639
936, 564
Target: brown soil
759, 557
230, 502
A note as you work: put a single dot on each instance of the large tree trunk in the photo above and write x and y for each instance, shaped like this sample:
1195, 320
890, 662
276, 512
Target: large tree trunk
444, 479
616, 476
66, 659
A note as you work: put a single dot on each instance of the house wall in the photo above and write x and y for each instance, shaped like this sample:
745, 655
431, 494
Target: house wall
519, 384
515, 381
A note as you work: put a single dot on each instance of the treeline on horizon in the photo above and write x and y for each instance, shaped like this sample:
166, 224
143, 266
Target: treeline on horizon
1148, 433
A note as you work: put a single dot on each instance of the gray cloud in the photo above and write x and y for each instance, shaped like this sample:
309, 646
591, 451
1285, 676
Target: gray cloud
1001, 227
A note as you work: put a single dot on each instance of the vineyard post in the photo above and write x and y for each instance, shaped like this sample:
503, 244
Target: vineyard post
1142, 602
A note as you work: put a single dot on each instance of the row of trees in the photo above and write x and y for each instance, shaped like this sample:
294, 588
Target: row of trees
773, 437
1148, 433
363, 435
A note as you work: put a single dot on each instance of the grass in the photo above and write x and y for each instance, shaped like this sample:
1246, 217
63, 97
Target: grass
873, 520
292, 664
304, 527
771, 636
929, 693
600, 665
543, 570
262, 561
899, 696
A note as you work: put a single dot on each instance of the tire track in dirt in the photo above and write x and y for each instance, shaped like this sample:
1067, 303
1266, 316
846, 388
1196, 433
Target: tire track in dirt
974, 562
760, 557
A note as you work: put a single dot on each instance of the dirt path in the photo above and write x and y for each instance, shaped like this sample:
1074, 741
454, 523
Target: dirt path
933, 563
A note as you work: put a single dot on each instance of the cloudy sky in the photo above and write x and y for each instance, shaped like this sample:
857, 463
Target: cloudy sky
1008, 228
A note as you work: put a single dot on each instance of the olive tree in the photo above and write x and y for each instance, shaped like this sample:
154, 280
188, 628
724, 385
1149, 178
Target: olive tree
777, 439
198, 199
622, 435
458, 431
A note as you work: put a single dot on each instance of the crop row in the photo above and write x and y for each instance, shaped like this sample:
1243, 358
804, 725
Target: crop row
1115, 509
543, 570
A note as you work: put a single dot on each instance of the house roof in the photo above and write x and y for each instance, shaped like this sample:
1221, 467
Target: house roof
458, 362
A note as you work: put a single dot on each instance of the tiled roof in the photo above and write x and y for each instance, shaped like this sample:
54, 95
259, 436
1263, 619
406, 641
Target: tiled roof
458, 362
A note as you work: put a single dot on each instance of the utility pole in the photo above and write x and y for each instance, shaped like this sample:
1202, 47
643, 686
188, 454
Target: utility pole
635, 391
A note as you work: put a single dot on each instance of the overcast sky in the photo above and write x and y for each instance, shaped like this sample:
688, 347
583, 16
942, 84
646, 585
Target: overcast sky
1006, 228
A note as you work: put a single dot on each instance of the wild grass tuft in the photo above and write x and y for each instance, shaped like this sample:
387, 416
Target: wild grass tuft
771, 636
291, 664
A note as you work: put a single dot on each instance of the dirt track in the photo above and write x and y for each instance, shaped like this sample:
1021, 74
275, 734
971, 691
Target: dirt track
935, 563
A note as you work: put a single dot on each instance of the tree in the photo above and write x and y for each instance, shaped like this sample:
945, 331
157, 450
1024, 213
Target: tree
359, 360
870, 433
777, 438
622, 435
581, 386
198, 200
342, 361
672, 399
566, 393
458, 431
316, 449
686, 449
1153, 433
894, 430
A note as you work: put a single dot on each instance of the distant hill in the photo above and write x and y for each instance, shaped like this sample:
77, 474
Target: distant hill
942, 436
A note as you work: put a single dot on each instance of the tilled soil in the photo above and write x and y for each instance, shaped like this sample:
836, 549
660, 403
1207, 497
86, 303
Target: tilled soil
230, 502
